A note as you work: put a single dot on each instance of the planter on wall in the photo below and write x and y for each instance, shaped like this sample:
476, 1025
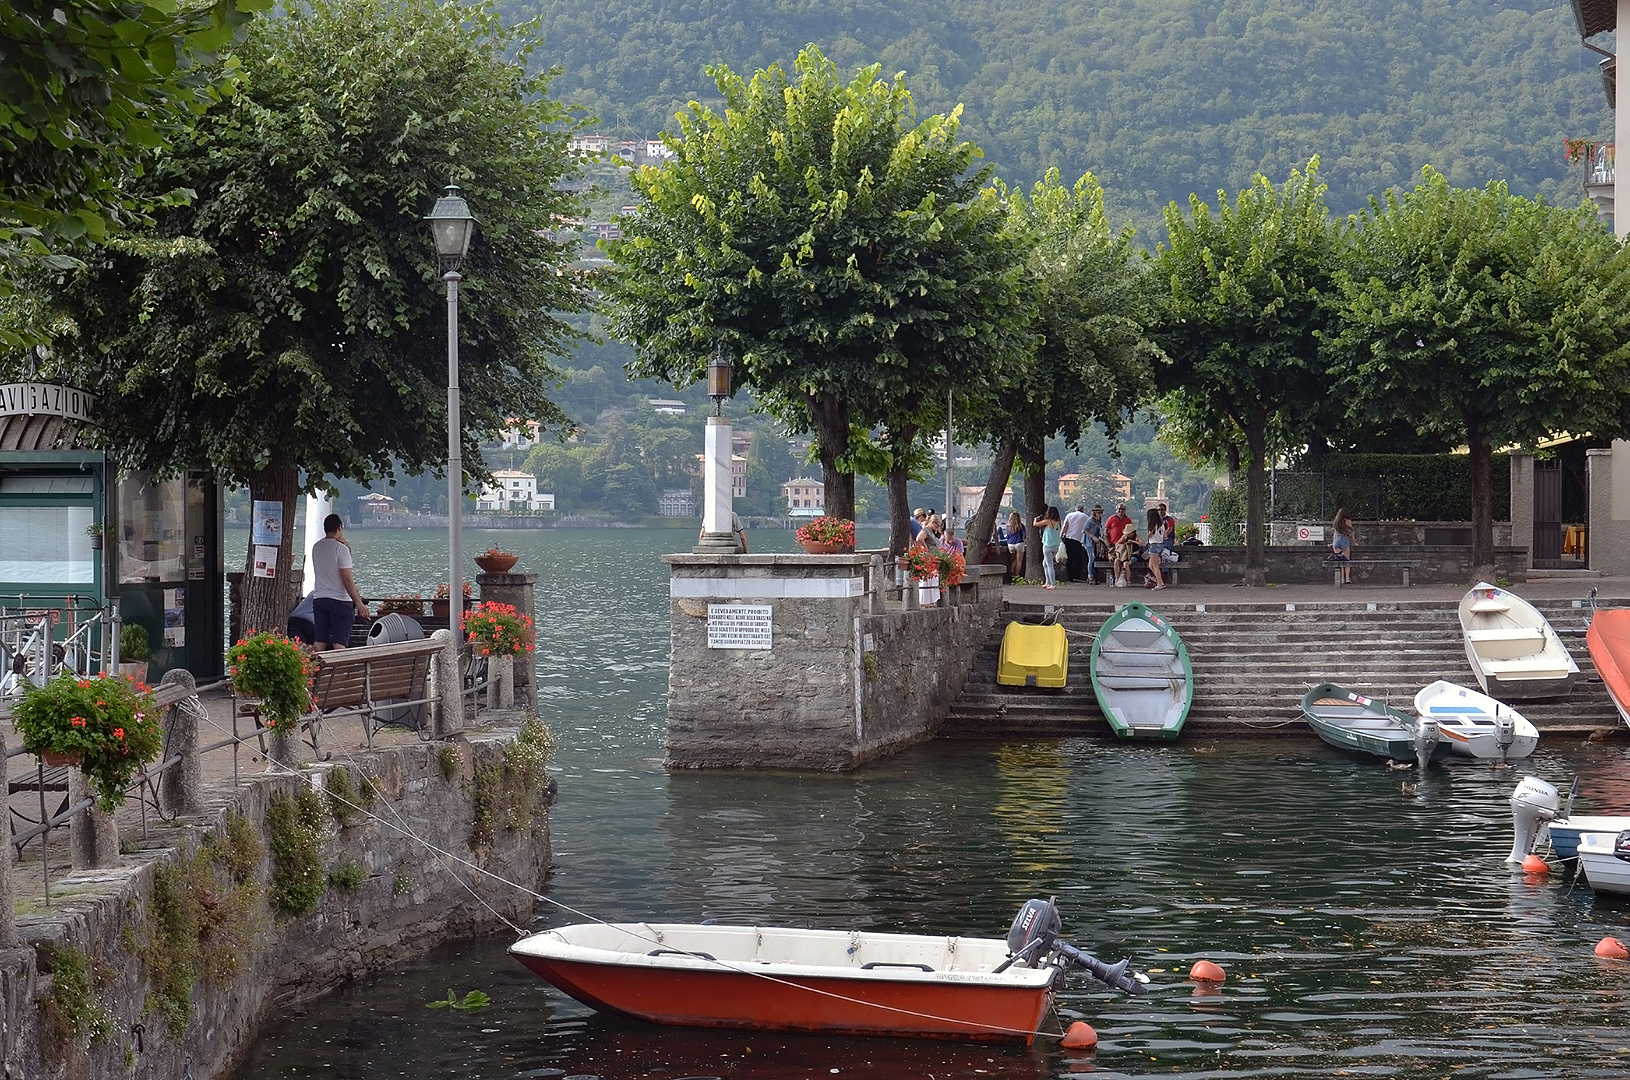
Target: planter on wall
497, 564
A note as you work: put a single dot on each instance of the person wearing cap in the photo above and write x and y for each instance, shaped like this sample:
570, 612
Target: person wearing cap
1116, 525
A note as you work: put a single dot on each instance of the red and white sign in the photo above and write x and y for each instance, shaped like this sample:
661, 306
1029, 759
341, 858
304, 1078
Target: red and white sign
1310, 532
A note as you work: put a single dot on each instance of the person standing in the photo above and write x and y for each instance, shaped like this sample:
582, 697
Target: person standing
1156, 526
1051, 532
1013, 539
1117, 524
1341, 543
1094, 543
1075, 552
334, 595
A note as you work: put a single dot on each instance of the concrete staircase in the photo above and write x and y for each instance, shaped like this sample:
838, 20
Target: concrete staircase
1254, 661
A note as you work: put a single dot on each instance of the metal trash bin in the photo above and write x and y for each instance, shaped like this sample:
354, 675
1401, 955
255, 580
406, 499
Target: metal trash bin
387, 630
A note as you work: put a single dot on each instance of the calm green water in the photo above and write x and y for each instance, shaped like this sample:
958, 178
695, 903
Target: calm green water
1367, 923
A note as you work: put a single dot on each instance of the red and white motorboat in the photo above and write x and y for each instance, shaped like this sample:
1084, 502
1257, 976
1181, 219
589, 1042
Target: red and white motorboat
833, 981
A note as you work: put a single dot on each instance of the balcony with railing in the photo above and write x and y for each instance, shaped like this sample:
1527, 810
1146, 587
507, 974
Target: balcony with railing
1597, 158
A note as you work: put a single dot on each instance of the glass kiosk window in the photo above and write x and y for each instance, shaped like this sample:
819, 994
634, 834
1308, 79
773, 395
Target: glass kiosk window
43, 523
153, 530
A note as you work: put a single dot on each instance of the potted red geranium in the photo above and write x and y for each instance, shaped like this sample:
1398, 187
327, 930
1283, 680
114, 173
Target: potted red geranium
827, 536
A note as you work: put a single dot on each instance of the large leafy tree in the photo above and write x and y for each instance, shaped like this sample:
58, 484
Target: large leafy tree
1090, 360
1487, 319
87, 88
849, 255
289, 324
1247, 289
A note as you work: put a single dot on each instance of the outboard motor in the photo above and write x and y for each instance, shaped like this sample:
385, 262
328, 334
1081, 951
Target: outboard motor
1533, 803
1426, 741
1033, 938
1505, 732
1621, 846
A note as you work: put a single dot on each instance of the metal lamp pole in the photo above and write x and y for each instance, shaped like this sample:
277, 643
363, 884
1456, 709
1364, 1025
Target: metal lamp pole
452, 225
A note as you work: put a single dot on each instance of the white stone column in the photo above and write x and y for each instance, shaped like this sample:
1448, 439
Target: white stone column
717, 537
318, 506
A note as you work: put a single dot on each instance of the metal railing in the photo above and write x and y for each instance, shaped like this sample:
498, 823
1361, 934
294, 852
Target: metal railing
33, 650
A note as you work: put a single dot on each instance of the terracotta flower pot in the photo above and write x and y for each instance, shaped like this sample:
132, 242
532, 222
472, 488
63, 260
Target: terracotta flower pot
497, 564
51, 757
814, 547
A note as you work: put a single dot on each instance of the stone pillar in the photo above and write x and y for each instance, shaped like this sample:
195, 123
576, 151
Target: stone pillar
1608, 537
717, 538
500, 682
519, 591
449, 718
1522, 502
8, 913
877, 590
93, 838
285, 748
181, 786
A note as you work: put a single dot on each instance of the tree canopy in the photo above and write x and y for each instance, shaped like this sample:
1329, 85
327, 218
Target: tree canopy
849, 255
1484, 318
290, 320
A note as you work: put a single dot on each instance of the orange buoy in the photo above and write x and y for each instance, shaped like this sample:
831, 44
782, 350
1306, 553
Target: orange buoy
1533, 864
1206, 971
1080, 1037
1612, 948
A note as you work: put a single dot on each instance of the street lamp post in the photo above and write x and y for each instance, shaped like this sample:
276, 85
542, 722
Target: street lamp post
718, 538
452, 225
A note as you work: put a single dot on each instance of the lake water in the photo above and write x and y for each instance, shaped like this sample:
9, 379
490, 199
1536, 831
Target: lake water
1365, 917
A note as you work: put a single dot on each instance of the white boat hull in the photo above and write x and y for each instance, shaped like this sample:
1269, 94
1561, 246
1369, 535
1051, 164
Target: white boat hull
1565, 832
1511, 648
1475, 725
1605, 872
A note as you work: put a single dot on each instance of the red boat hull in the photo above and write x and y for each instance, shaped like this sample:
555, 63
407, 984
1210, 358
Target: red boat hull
798, 1003
1608, 640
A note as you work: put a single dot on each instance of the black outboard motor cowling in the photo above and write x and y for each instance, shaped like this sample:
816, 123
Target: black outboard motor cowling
1033, 939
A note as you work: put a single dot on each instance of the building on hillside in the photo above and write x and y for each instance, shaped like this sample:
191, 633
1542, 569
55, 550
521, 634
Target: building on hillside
1595, 17
519, 434
657, 150
1069, 487
590, 144
676, 502
374, 506
805, 497
667, 406
967, 500
513, 492
738, 476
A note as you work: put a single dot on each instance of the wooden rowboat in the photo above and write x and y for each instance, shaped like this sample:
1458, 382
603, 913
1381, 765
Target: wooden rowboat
1350, 721
833, 981
1141, 674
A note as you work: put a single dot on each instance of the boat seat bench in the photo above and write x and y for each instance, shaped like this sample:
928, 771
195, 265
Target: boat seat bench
1513, 633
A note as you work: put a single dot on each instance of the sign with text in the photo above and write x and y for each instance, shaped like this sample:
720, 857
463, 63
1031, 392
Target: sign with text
46, 399
738, 626
1310, 532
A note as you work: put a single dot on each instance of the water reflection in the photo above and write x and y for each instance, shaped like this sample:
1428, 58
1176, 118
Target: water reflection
1367, 922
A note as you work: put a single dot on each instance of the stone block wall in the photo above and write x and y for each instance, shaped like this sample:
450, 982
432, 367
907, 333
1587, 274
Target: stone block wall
1305, 564
837, 686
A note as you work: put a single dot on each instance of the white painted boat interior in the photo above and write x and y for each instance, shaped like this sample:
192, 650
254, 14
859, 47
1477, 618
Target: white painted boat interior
1603, 870
1142, 675
1509, 640
832, 952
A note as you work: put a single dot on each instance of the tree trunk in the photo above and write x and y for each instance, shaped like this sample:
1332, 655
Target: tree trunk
1035, 503
1233, 464
899, 500
983, 524
1482, 504
268, 601
1256, 439
831, 420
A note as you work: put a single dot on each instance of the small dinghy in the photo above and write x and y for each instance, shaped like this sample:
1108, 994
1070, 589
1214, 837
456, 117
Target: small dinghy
1605, 859
833, 981
1475, 725
1608, 639
1348, 720
1512, 650
1033, 655
1142, 675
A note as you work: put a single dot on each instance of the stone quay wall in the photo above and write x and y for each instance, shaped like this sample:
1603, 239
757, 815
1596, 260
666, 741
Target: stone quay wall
1305, 564
799, 661
401, 900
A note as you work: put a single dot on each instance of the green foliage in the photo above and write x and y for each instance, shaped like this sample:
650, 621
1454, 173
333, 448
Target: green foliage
133, 644
344, 801
277, 670
291, 317
241, 851
447, 756
295, 826
1227, 514
86, 91
76, 1015
348, 875
475, 999
111, 725
510, 794
846, 253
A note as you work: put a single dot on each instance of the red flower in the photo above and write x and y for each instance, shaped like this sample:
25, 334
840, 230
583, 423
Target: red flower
78, 721
118, 733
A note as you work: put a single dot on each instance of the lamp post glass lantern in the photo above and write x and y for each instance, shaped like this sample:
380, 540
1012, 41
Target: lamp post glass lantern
719, 370
718, 536
451, 226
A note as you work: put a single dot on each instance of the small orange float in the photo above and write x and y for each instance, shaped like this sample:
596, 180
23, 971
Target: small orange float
1533, 864
1612, 948
1079, 1037
1206, 971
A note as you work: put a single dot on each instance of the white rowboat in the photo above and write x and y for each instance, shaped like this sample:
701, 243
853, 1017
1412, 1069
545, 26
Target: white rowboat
1511, 648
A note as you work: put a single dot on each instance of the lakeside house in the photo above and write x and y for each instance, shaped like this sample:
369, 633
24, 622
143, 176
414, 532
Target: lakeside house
512, 492
805, 497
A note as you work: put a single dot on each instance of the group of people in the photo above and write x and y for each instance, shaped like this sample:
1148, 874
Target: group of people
930, 530
1088, 538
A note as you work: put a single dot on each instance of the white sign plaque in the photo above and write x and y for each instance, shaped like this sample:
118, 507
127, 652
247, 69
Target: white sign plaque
46, 399
1310, 532
738, 626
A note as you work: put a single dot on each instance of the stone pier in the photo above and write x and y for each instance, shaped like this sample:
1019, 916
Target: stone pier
799, 662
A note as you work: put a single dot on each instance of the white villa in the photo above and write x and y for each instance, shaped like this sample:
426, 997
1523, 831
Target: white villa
513, 492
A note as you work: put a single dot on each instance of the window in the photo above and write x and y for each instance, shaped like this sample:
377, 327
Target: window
46, 544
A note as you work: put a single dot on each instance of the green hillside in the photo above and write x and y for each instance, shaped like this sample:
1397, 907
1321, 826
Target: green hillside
1160, 98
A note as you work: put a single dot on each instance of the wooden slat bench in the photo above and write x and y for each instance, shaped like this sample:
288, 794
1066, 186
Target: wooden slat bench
366, 681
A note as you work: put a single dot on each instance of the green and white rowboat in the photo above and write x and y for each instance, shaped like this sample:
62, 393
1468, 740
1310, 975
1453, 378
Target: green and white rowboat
1348, 720
1142, 675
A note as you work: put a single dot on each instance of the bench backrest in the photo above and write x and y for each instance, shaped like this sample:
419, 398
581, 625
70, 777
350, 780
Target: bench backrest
372, 673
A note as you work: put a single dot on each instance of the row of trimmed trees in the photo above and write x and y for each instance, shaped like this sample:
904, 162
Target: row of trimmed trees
859, 264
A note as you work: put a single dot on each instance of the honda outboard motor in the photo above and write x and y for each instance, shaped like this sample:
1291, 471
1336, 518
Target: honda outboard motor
1533, 804
1033, 938
1505, 732
1426, 741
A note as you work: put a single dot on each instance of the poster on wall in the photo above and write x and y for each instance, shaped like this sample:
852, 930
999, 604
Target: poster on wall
265, 561
266, 525
175, 617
